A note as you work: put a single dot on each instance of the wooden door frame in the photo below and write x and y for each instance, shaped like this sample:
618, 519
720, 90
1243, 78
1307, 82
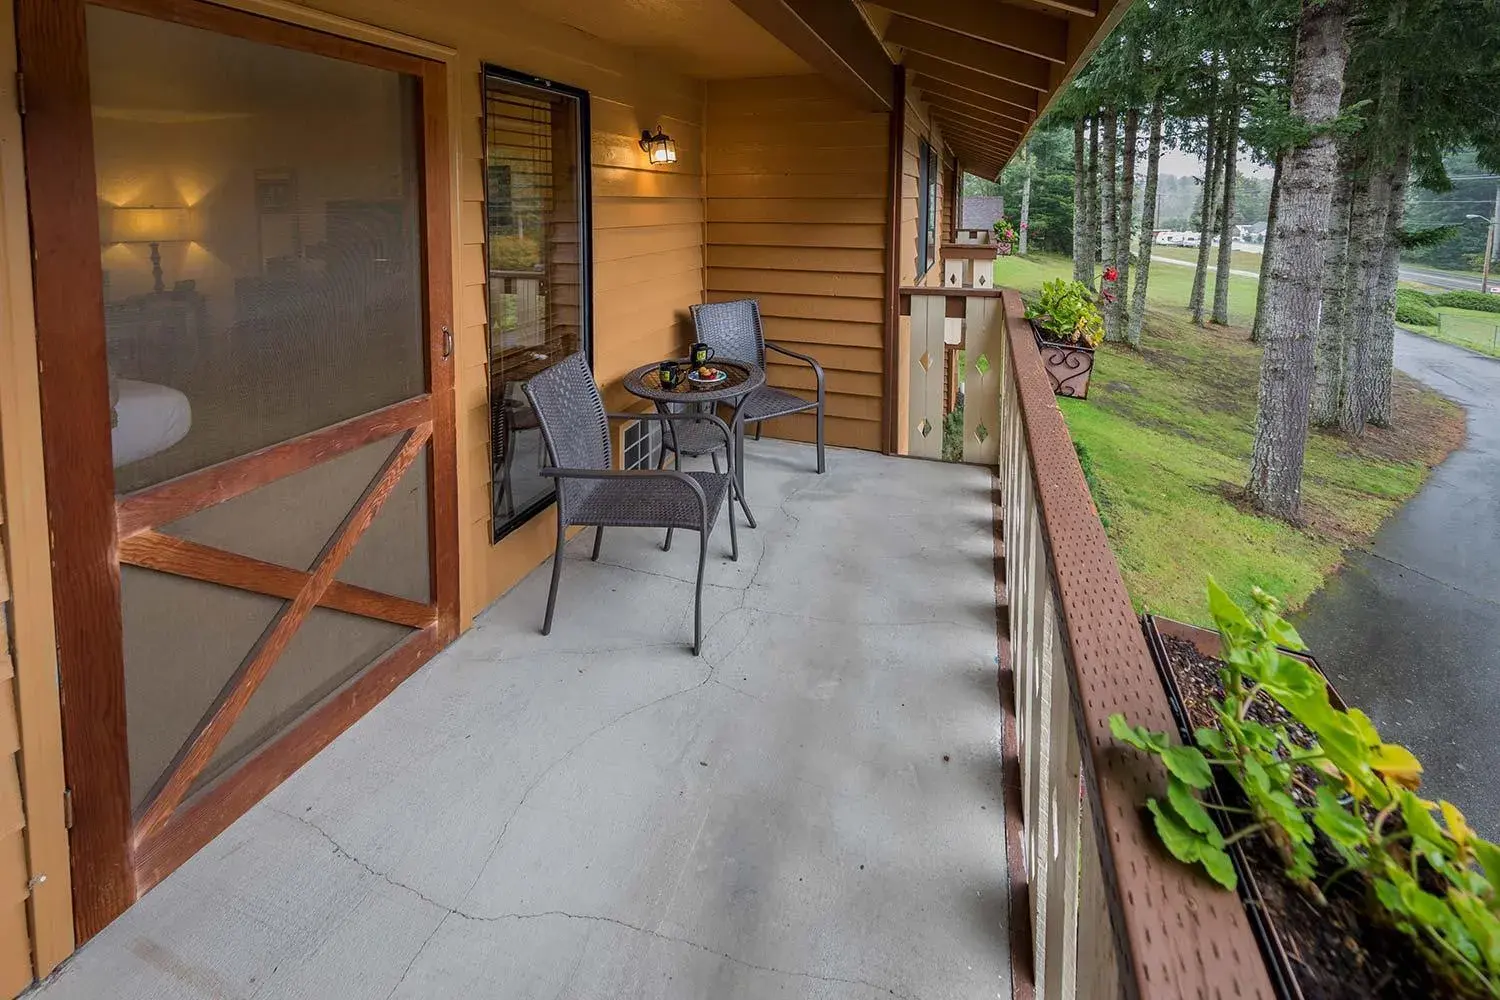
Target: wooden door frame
112, 865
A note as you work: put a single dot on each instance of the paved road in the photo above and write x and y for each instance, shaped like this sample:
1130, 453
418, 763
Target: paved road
1441, 279
1417, 275
1410, 630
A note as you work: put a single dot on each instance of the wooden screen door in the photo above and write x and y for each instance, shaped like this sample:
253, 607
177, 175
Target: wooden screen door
243, 289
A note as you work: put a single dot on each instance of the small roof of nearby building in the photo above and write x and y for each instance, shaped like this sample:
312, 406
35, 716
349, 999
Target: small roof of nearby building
980, 211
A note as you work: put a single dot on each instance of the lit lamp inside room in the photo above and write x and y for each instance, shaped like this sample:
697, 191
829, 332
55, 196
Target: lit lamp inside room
152, 226
659, 146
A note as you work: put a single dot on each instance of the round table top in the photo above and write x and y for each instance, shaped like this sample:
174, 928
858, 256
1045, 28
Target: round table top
744, 377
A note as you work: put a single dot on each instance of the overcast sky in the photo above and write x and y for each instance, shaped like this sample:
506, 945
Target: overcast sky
1178, 164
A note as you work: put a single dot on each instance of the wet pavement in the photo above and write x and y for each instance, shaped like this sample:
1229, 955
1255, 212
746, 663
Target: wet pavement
1410, 630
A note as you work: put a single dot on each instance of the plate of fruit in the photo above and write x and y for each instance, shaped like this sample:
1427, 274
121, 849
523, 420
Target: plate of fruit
707, 375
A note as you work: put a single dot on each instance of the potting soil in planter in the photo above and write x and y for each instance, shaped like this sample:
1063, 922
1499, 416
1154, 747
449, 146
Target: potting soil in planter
1336, 951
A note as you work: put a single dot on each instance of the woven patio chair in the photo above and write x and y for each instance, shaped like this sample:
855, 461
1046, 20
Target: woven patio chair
734, 331
590, 491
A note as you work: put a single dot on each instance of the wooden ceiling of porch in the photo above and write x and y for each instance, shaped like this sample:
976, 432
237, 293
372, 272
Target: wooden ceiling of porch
986, 69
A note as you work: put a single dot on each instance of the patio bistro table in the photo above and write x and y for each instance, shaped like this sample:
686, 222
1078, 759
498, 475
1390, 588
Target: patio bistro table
744, 378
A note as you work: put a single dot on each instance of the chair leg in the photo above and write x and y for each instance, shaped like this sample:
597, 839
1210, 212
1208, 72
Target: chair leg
715, 457
667, 545
598, 540
734, 540
758, 425
698, 595
557, 561
822, 466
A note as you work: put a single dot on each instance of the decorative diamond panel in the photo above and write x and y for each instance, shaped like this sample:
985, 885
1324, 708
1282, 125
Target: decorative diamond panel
981, 432
982, 365
925, 361
925, 427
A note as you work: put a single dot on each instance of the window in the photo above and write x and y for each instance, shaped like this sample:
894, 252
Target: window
536, 191
927, 207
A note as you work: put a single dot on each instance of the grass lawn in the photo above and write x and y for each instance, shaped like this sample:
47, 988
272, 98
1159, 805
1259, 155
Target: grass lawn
1166, 435
1478, 331
1170, 285
1239, 260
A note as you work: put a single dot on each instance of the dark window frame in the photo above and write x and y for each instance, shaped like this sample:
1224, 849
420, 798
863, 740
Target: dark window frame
927, 207
501, 529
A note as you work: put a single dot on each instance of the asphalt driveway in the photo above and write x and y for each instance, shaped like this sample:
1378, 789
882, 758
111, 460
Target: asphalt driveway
1410, 630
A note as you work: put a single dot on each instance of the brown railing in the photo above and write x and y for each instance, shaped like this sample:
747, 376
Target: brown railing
1110, 914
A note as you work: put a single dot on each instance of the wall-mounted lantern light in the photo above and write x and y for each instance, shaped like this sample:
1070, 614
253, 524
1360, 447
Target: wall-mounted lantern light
658, 146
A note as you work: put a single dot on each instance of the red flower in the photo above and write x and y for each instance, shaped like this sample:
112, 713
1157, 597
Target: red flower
1110, 274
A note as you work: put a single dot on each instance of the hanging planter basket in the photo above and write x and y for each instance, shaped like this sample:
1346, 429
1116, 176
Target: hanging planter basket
1068, 366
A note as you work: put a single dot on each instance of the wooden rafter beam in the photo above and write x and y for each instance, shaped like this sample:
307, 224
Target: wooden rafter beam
989, 145
835, 39
965, 141
1083, 8
931, 88
977, 115
1027, 31
987, 87
970, 53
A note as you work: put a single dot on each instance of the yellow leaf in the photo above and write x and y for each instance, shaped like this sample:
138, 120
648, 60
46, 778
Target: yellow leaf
1458, 827
1397, 763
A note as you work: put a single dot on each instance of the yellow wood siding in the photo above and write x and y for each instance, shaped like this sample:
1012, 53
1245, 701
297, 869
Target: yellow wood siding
15, 934
648, 225
796, 195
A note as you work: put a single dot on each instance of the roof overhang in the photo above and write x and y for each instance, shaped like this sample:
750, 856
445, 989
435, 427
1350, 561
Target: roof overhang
986, 70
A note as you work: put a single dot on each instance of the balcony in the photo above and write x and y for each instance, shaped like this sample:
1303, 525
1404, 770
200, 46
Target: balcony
813, 808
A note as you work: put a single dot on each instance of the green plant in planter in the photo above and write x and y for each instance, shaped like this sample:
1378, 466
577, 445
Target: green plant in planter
1066, 311
1437, 882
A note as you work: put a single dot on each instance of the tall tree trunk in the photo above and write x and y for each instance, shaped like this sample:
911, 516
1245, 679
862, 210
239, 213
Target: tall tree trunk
1118, 313
1029, 162
1333, 328
1148, 225
1210, 180
1108, 180
1370, 207
1226, 214
1091, 196
1286, 371
1377, 393
1083, 266
1266, 249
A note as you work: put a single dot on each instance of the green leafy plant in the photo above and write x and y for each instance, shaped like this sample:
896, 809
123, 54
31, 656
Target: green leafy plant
514, 253
1416, 308
1483, 302
1066, 311
1434, 881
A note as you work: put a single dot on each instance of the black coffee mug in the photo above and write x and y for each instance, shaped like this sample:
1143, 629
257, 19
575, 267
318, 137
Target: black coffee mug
667, 374
702, 354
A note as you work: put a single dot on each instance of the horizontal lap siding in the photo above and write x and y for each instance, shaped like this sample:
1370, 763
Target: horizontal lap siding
796, 219
648, 228
648, 270
15, 933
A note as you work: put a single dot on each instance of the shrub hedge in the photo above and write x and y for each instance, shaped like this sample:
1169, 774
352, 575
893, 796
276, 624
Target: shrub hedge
1481, 301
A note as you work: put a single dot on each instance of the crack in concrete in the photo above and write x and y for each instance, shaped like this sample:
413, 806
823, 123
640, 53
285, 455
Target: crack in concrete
1437, 580
688, 942
340, 850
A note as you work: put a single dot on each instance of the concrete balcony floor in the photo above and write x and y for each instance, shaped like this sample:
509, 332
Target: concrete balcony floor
810, 809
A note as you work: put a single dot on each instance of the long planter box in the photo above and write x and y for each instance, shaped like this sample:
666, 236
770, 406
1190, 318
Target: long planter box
1273, 946
1068, 366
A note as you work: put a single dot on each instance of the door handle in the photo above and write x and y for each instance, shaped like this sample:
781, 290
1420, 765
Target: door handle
447, 343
